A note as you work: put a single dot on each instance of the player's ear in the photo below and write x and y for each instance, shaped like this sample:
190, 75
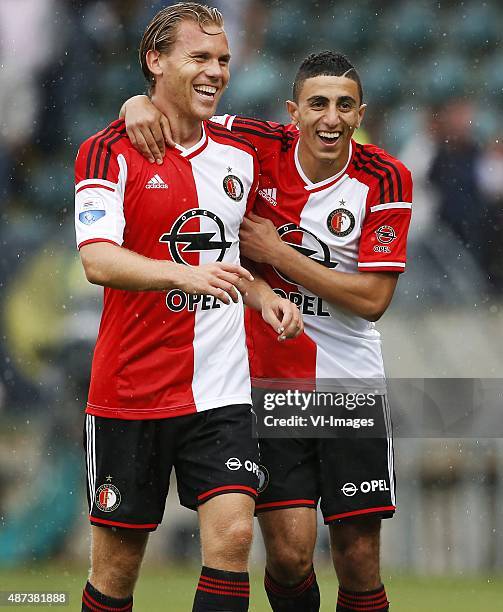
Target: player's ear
152, 59
293, 111
361, 114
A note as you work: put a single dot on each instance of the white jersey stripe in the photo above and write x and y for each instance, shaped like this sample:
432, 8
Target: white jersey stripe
92, 460
380, 264
389, 435
101, 182
390, 206
89, 458
93, 422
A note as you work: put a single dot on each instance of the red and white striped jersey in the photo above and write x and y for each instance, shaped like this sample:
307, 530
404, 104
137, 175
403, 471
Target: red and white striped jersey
161, 354
355, 221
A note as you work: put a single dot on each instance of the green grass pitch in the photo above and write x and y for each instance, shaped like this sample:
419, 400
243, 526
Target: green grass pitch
171, 589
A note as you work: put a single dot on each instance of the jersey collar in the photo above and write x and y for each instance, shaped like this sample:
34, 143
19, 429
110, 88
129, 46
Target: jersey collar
331, 180
194, 149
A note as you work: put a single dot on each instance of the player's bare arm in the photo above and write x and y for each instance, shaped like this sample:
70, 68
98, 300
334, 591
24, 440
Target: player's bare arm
281, 314
113, 266
147, 127
366, 294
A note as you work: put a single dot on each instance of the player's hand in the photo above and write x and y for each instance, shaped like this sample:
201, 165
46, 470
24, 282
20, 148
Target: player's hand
222, 280
259, 240
147, 128
283, 316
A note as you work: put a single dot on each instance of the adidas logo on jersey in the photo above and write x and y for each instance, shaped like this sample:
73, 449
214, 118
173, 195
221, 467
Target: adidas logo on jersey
269, 195
156, 182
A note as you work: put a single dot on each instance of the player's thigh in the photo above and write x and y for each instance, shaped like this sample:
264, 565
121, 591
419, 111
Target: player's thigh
357, 473
361, 532
217, 455
128, 466
290, 474
355, 548
117, 549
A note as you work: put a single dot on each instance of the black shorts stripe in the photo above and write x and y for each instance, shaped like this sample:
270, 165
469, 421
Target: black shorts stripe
118, 136
378, 159
223, 132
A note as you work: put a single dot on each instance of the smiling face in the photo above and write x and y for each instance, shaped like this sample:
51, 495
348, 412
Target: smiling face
192, 76
327, 112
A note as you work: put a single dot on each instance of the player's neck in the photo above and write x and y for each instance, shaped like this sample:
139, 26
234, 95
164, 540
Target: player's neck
316, 169
185, 131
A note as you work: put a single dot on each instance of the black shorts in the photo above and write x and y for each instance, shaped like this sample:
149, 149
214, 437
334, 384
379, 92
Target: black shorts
348, 476
129, 463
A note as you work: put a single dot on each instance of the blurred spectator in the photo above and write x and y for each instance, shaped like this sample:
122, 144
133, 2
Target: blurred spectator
27, 44
418, 154
489, 173
453, 173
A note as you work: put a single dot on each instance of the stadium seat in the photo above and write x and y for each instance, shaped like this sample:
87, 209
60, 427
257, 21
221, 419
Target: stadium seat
383, 77
51, 186
440, 77
413, 26
287, 32
492, 76
478, 25
259, 87
348, 28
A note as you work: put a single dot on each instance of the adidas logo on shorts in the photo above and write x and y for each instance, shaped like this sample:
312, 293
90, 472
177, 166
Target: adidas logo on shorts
156, 182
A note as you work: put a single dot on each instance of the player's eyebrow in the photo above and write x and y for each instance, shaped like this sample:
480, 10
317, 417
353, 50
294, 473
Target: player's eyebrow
346, 99
222, 58
317, 99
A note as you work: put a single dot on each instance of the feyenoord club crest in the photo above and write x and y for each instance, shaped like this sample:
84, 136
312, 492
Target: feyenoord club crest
385, 234
341, 222
108, 497
233, 187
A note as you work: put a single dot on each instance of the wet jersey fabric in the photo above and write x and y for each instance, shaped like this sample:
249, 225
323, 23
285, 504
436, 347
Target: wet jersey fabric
165, 353
355, 221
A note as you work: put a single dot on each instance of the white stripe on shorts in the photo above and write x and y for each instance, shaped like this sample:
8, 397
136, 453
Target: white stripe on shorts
389, 437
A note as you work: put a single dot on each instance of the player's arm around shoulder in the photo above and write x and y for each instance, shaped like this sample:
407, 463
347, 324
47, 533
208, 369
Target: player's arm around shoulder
147, 127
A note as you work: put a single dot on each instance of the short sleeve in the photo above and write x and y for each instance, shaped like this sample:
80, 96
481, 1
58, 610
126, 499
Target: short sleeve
383, 242
100, 181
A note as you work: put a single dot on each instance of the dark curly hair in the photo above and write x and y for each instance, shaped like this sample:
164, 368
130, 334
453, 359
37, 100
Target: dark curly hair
326, 63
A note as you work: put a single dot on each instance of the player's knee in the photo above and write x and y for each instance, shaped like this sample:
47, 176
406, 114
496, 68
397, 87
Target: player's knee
288, 564
239, 535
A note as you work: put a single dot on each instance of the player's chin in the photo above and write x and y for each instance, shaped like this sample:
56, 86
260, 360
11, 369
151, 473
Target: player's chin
330, 155
205, 109
330, 152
